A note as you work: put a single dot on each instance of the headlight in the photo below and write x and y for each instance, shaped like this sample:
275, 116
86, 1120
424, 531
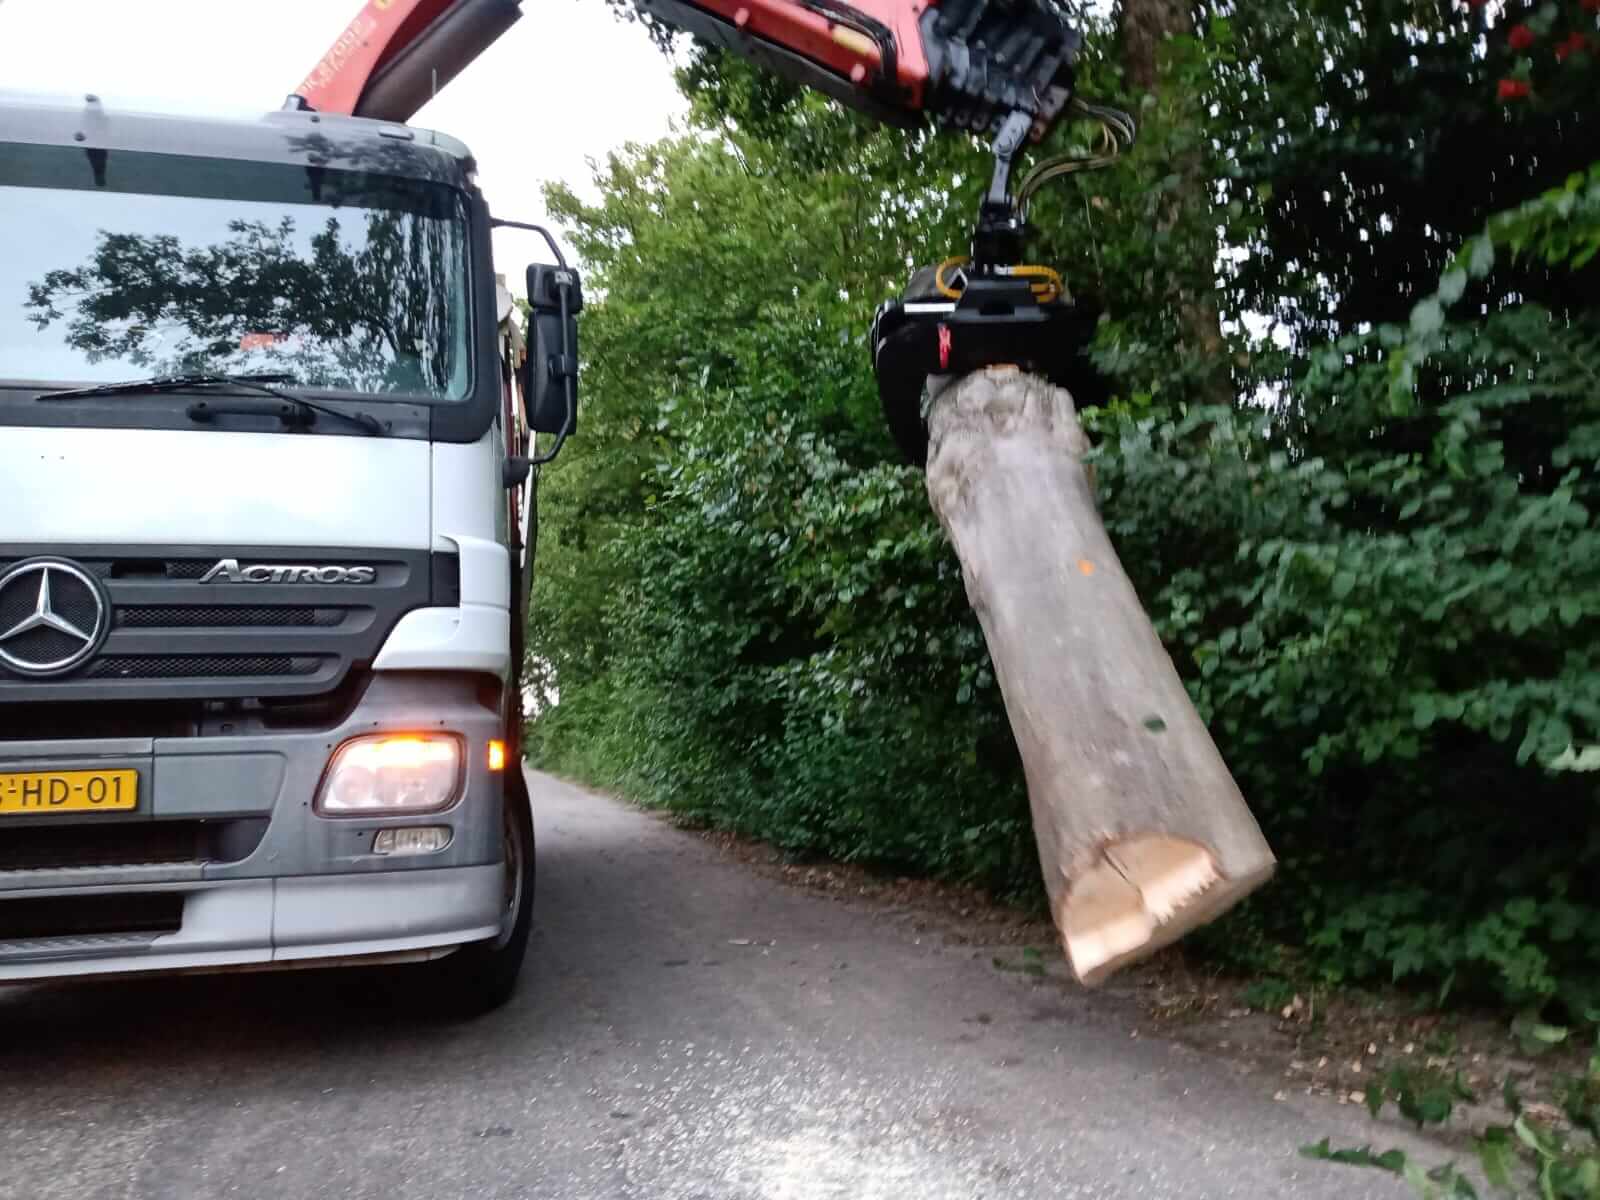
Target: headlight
392, 773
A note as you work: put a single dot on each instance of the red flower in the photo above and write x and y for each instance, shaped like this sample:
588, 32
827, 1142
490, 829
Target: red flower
1574, 44
1514, 89
1520, 37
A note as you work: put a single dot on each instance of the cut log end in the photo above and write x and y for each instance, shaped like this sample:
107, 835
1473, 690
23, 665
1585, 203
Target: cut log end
1142, 894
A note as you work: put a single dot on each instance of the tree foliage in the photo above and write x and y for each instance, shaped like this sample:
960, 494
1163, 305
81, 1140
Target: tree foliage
1375, 563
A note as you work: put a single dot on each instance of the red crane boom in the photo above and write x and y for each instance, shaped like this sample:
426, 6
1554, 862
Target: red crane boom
967, 63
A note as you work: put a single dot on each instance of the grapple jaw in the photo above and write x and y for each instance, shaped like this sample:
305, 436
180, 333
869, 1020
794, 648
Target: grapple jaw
1001, 312
997, 320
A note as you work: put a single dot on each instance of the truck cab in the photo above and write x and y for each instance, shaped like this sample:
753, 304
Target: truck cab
262, 580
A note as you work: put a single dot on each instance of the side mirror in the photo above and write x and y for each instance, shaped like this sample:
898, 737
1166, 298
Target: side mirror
550, 373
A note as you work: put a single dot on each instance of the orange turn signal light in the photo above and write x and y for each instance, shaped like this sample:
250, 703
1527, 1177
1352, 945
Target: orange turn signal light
497, 755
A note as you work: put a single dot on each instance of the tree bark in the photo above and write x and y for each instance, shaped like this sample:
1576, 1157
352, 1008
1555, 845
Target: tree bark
1144, 26
1142, 832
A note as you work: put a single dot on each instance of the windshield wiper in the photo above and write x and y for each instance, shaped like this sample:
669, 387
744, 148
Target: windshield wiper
295, 409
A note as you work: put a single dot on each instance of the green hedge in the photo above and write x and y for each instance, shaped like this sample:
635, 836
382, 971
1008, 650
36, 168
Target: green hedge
1379, 575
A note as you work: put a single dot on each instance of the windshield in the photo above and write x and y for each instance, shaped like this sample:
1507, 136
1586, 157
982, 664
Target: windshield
118, 265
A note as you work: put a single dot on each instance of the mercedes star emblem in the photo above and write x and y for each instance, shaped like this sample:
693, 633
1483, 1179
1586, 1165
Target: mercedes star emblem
53, 615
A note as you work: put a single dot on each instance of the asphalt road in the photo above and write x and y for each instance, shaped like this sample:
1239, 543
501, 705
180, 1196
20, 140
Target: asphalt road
648, 1054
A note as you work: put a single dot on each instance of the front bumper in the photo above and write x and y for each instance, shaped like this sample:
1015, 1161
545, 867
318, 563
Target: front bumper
267, 881
282, 922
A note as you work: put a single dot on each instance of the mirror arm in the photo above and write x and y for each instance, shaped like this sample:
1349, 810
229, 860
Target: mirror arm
515, 470
502, 223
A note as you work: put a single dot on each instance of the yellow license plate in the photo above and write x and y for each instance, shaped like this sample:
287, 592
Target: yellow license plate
36, 793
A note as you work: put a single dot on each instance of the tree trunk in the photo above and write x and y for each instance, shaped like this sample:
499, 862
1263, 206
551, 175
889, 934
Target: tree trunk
1142, 832
1144, 26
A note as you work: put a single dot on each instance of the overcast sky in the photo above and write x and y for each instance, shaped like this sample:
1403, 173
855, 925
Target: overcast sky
567, 83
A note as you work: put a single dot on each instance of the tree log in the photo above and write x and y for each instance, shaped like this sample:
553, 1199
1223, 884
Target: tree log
1142, 832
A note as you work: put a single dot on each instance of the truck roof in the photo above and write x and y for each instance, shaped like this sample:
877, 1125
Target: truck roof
287, 136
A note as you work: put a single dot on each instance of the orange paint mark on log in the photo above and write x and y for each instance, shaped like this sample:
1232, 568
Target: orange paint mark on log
1086, 566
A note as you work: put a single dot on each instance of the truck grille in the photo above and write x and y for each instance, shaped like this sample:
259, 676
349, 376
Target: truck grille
89, 916
128, 844
208, 666
242, 616
174, 638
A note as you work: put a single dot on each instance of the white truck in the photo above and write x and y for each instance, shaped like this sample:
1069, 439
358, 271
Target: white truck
263, 465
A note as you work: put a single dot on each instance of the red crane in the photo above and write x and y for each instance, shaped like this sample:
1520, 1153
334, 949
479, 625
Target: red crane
968, 63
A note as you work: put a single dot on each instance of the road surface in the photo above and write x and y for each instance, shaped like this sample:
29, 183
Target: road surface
659, 1047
